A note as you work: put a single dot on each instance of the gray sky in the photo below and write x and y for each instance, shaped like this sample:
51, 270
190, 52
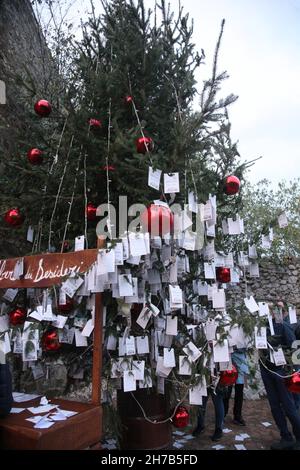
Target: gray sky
261, 53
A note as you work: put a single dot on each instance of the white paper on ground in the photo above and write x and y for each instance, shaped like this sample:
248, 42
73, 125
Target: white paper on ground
20, 397
17, 410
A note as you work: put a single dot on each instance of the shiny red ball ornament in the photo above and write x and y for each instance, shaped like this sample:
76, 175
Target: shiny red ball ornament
157, 220
223, 274
14, 217
228, 377
128, 99
95, 124
181, 417
35, 156
143, 143
50, 341
293, 383
91, 211
232, 185
17, 316
67, 307
43, 108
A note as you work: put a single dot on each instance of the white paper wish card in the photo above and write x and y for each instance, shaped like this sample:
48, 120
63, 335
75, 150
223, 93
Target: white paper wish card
278, 357
125, 244
79, 243
210, 328
221, 351
292, 315
283, 220
260, 338
59, 321
133, 298
189, 240
10, 295
263, 309
80, 340
172, 326
254, 270
106, 262
142, 345
209, 271
30, 233
184, 366
171, 183
111, 343
192, 352
130, 346
138, 244
154, 178
144, 317
88, 328
129, 381
193, 205
251, 304
161, 370
197, 392
218, 299
252, 252
139, 369
176, 299
235, 227
4, 323
125, 285
71, 285
169, 357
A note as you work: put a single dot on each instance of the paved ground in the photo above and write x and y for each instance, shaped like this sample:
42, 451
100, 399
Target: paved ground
255, 412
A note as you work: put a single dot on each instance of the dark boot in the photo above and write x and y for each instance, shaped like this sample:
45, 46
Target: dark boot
218, 434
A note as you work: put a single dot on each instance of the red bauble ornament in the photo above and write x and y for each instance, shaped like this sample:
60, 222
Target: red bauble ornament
223, 274
91, 211
66, 246
14, 217
128, 99
95, 124
293, 383
43, 108
35, 156
50, 341
109, 168
157, 220
181, 417
228, 377
17, 316
143, 143
232, 185
67, 307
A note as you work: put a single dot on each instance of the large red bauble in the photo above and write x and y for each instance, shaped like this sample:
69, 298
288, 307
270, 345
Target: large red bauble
223, 274
95, 124
43, 108
17, 316
50, 341
35, 156
143, 143
67, 307
157, 220
91, 211
14, 217
293, 383
228, 377
181, 417
232, 185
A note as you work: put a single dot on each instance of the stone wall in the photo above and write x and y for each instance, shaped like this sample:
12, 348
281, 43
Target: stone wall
276, 282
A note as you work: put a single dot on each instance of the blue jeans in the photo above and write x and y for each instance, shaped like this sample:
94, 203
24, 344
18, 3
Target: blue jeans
219, 409
282, 403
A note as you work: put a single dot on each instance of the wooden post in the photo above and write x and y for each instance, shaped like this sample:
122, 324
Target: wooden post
97, 344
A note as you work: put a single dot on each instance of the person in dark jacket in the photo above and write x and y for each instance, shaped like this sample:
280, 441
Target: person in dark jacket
280, 399
6, 398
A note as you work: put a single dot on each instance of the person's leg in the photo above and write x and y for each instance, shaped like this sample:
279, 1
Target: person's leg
219, 414
238, 403
269, 381
201, 417
226, 398
289, 406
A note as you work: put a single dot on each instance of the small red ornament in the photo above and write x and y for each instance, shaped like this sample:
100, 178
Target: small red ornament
66, 246
228, 377
157, 220
43, 108
67, 307
128, 99
293, 383
181, 417
17, 316
223, 274
95, 124
91, 211
232, 185
144, 143
35, 156
14, 217
50, 341
109, 168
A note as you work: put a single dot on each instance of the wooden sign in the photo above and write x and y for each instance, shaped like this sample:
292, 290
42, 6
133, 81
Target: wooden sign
45, 270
